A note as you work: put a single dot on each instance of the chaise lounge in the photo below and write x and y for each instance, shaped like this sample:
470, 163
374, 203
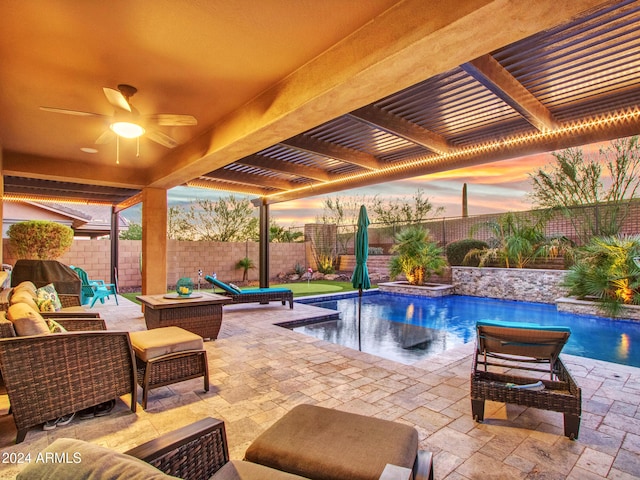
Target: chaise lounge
514, 352
253, 295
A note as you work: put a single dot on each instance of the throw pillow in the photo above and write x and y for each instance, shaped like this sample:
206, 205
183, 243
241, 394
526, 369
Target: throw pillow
26, 285
48, 292
55, 327
235, 287
26, 320
23, 296
85, 460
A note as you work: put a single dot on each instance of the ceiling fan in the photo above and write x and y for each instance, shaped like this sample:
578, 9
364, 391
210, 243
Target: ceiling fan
127, 122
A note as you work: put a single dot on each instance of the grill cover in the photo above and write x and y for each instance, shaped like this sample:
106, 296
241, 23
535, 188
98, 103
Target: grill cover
43, 272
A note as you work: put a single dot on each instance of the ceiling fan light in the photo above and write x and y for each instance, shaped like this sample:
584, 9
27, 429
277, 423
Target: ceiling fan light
127, 129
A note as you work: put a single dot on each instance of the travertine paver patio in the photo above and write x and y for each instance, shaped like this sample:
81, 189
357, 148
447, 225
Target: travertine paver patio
259, 371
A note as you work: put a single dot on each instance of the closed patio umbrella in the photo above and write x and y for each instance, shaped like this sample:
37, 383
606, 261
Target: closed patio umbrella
360, 278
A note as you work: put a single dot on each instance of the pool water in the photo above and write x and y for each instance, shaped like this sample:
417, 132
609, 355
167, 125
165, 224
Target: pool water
407, 329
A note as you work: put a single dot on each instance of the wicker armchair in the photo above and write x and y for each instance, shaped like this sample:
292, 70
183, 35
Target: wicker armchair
48, 376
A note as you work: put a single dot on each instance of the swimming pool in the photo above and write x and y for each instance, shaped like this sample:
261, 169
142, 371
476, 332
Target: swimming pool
407, 328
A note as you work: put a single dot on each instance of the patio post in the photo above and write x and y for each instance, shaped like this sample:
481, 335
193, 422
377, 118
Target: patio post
154, 241
264, 245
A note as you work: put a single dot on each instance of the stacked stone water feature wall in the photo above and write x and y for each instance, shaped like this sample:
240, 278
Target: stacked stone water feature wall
531, 285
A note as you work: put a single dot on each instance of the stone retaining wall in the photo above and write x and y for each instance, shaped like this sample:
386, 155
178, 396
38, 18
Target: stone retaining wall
530, 285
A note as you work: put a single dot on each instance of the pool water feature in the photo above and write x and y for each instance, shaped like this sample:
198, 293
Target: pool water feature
407, 329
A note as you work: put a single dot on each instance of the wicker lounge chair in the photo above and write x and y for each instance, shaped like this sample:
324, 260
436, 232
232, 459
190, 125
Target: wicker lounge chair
253, 295
515, 351
48, 376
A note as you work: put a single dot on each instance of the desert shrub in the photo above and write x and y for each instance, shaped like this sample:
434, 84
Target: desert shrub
40, 239
456, 251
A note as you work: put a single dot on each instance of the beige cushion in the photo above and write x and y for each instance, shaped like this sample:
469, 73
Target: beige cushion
319, 442
87, 461
24, 296
239, 470
156, 342
26, 285
26, 320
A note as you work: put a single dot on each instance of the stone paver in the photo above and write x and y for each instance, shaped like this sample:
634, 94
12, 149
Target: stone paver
259, 371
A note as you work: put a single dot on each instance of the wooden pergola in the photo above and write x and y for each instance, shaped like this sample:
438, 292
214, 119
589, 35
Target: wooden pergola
386, 90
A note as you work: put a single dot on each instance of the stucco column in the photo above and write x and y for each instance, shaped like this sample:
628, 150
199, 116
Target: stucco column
154, 241
1, 206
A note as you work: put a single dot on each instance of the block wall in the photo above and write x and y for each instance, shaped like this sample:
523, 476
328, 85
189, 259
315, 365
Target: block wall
184, 259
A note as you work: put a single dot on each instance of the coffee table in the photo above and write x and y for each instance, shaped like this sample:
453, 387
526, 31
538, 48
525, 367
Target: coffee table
200, 313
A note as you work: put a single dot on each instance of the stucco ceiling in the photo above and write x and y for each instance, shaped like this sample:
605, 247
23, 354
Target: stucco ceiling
296, 98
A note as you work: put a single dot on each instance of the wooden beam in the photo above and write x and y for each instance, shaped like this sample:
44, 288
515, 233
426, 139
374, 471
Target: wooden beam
280, 166
251, 179
337, 152
212, 184
488, 71
395, 125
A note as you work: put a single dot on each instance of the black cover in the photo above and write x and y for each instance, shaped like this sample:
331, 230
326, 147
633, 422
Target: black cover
43, 272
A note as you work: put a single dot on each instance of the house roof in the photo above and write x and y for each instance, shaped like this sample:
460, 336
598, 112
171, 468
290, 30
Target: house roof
305, 98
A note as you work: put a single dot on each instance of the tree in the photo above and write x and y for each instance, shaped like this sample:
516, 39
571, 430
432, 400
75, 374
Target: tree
417, 256
278, 234
179, 225
40, 239
245, 264
574, 182
341, 212
606, 269
134, 232
395, 212
516, 242
228, 220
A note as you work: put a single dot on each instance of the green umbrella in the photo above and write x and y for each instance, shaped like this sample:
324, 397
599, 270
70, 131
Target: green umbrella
360, 278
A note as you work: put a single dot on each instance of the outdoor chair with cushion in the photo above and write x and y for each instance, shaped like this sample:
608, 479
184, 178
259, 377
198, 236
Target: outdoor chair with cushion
253, 295
195, 452
27, 292
49, 375
507, 368
94, 289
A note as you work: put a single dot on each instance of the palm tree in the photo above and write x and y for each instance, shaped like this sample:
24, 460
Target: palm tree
606, 270
246, 264
417, 256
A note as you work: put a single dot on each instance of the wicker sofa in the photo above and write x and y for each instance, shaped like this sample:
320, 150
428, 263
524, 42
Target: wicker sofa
50, 375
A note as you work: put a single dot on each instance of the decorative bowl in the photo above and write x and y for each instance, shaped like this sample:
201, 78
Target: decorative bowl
184, 287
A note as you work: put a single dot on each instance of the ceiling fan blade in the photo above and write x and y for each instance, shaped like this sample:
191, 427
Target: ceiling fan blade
116, 99
172, 120
70, 112
105, 137
161, 138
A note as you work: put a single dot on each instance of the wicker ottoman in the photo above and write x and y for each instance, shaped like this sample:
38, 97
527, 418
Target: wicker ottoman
323, 443
168, 355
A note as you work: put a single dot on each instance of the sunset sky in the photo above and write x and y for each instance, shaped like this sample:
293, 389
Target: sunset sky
494, 187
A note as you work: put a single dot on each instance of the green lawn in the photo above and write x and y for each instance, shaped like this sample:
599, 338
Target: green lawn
301, 289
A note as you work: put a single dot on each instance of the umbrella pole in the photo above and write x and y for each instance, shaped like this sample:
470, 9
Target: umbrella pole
359, 318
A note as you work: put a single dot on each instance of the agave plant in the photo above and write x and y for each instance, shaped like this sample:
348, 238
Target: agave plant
417, 256
606, 270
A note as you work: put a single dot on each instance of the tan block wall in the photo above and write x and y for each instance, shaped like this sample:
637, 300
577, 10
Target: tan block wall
184, 259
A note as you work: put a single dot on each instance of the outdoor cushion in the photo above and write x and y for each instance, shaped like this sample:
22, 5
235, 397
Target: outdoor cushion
265, 290
26, 285
323, 443
239, 470
227, 288
154, 343
24, 296
48, 294
78, 460
27, 320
